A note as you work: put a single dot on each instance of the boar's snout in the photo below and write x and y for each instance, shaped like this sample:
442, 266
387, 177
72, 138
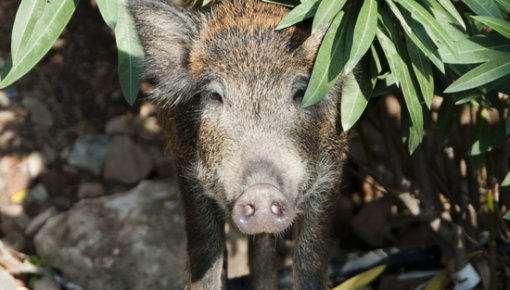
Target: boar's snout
262, 208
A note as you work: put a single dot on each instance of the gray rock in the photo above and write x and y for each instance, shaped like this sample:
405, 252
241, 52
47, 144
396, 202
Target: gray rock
46, 283
38, 221
120, 125
126, 162
89, 153
39, 113
90, 189
127, 241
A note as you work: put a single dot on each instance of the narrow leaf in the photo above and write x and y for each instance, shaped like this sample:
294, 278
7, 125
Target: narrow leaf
446, 20
130, 53
362, 279
507, 215
108, 9
28, 14
325, 71
431, 25
286, 3
50, 25
439, 281
505, 4
476, 49
506, 181
399, 67
484, 7
364, 33
418, 35
448, 6
500, 25
301, 12
326, 12
423, 71
489, 139
482, 74
355, 96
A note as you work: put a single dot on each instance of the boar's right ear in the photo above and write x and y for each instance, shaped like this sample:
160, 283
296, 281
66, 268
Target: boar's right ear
166, 31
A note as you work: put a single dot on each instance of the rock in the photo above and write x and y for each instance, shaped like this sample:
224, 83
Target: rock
46, 283
149, 128
37, 222
39, 194
146, 110
126, 162
5, 101
127, 241
89, 153
120, 125
90, 189
35, 164
7, 282
39, 113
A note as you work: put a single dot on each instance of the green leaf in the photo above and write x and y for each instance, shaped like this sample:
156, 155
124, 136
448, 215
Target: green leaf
423, 71
506, 182
50, 25
507, 215
500, 25
130, 53
325, 71
431, 25
206, 2
476, 49
400, 68
418, 36
108, 9
490, 139
439, 281
355, 96
482, 74
446, 20
326, 12
286, 3
448, 6
505, 4
362, 279
484, 7
364, 33
28, 14
301, 12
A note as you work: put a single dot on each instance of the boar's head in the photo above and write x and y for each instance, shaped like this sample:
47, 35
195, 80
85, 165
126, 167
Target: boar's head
226, 69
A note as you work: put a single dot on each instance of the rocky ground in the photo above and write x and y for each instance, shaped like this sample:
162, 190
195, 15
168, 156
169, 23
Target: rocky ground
88, 198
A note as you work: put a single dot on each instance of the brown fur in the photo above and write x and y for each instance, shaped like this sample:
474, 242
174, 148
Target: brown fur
257, 133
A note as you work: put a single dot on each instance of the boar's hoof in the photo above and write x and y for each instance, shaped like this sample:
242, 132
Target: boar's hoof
262, 208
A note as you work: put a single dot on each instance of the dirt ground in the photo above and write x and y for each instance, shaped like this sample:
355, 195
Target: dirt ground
74, 92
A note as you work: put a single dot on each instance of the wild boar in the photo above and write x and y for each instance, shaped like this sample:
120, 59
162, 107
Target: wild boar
229, 88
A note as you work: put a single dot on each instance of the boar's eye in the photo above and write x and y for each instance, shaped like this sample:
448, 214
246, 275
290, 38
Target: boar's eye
214, 96
298, 96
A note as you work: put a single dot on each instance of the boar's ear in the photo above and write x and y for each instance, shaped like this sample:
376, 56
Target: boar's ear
312, 43
166, 31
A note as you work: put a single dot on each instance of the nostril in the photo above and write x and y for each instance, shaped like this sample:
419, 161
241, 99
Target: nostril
277, 208
248, 210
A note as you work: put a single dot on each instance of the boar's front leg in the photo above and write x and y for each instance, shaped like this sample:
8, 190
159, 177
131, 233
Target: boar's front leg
205, 234
311, 249
263, 268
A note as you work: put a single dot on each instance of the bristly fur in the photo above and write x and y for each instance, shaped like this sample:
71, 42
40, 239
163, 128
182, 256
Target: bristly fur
228, 87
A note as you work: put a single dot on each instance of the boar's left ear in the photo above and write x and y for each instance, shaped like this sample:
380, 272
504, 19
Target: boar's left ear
166, 31
312, 43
